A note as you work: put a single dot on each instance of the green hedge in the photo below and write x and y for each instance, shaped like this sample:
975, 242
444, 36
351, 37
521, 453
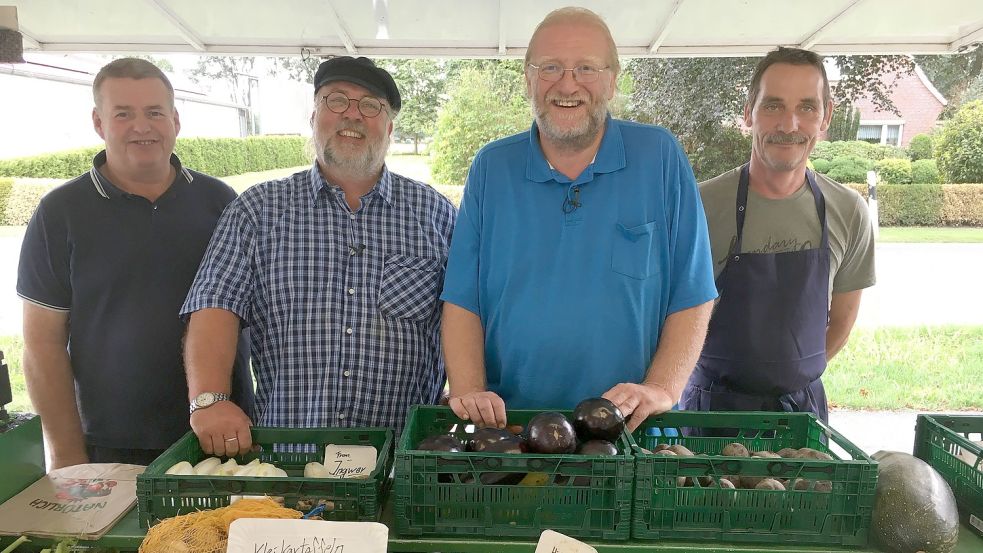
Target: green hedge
218, 157
855, 148
925, 171
894, 170
932, 205
6, 189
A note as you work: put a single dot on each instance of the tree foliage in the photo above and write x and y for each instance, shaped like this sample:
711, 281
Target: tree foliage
844, 124
483, 105
957, 77
235, 72
700, 99
422, 84
959, 146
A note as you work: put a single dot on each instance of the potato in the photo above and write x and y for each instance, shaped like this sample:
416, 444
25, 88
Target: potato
665, 452
682, 481
661, 447
735, 480
726, 483
735, 450
770, 484
705, 481
820, 486
765, 454
809, 453
750, 482
681, 450
788, 453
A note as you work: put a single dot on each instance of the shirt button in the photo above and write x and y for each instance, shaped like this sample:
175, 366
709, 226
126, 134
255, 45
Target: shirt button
347, 373
349, 331
341, 415
155, 208
351, 291
351, 216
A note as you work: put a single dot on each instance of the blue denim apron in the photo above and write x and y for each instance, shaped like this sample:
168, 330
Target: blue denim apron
766, 343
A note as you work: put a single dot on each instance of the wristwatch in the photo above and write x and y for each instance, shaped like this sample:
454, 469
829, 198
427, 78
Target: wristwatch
207, 399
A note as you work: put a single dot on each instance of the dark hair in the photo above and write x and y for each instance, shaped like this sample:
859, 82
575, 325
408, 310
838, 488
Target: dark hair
793, 56
130, 68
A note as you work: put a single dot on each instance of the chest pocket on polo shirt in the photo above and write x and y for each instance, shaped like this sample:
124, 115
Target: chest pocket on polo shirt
632, 253
410, 286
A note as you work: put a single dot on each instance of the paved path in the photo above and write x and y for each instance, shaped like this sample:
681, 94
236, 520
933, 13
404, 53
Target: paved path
873, 431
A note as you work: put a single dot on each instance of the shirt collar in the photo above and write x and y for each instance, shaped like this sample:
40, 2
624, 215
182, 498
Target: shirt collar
108, 190
610, 156
384, 186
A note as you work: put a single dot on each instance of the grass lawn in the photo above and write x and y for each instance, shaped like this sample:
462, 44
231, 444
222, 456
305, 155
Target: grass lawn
923, 368
931, 234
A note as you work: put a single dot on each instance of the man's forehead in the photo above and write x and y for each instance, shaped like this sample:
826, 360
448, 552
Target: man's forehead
783, 80
569, 39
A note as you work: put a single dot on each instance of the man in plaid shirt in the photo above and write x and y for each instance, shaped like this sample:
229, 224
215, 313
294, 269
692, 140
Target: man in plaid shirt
335, 270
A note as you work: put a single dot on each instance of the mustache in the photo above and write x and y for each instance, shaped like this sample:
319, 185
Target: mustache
782, 138
356, 126
570, 98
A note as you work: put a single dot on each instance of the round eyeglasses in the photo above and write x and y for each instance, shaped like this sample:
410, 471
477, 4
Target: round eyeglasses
553, 72
369, 106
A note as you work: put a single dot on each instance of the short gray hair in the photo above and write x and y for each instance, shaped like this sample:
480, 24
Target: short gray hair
130, 68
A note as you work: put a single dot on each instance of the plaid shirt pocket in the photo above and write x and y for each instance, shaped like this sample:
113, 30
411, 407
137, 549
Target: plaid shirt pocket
410, 286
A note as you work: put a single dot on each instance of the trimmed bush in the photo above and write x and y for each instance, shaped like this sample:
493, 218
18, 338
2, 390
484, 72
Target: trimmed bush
962, 205
894, 170
959, 147
849, 169
820, 165
219, 157
855, 148
925, 171
910, 205
6, 188
920, 147
23, 200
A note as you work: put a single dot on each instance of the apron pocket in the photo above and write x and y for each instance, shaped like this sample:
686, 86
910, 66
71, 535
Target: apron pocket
631, 253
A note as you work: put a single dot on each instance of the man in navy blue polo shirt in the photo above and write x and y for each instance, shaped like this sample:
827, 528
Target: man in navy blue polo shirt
336, 271
580, 264
105, 263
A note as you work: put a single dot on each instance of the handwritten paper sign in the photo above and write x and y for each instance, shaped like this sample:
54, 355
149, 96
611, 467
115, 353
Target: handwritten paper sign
555, 542
349, 461
261, 535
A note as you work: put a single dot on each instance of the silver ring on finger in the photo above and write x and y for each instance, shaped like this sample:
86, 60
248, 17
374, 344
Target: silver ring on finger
232, 439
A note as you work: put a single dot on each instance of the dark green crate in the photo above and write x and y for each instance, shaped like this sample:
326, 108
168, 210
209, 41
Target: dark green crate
664, 510
435, 493
21, 457
939, 439
162, 495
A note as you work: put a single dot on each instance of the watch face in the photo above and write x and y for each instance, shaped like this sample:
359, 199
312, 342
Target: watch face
205, 399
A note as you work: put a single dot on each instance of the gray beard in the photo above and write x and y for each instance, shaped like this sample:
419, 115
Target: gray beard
361, 165
574, 139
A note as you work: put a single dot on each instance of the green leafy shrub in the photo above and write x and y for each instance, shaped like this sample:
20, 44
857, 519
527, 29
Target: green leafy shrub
910, 205
483, 106
849, 168
821, 165
219, 157
844, 148
959, 148
925, 171
894, 170
920, 147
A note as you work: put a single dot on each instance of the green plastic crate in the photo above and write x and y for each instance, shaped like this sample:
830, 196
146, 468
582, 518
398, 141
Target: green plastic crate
21, 457
939, 440
161, 495
436, 493
664, 510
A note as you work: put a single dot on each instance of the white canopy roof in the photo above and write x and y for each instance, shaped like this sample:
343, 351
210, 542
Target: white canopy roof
493, 28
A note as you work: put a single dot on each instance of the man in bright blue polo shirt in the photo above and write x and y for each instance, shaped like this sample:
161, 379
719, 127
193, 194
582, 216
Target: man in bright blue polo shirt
580, 263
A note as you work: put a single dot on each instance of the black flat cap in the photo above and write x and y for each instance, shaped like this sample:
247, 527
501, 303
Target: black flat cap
361, 71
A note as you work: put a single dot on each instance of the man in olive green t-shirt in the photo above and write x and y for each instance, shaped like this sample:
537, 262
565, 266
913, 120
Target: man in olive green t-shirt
792, 251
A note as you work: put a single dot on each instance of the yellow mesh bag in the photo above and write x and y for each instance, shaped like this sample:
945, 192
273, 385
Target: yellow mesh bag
208, 531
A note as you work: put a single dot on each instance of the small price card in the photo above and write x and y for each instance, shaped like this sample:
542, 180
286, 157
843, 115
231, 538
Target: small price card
555, 542
262, 535
349, 461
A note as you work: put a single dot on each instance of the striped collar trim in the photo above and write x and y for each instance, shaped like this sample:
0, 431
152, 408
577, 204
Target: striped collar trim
104, 187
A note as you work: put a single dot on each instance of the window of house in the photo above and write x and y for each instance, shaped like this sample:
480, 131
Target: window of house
878, 132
